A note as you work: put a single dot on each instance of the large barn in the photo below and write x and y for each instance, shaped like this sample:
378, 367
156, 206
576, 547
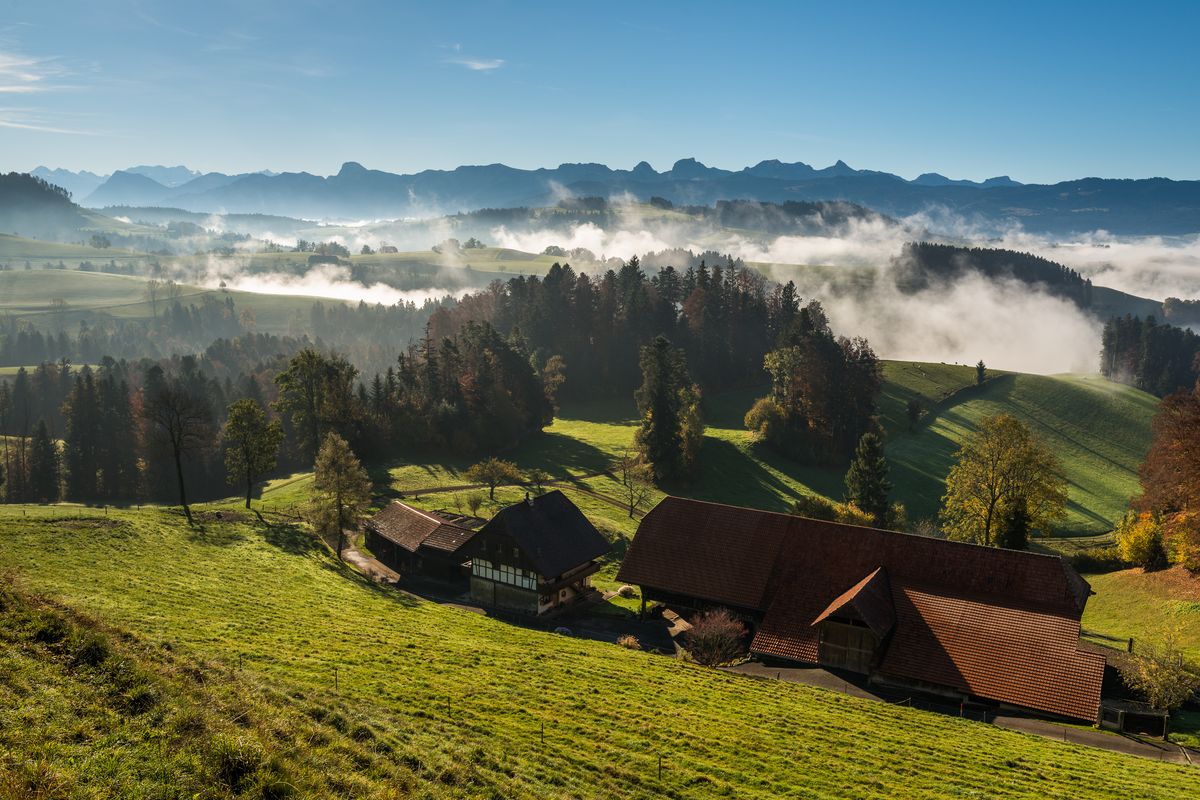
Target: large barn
975, 622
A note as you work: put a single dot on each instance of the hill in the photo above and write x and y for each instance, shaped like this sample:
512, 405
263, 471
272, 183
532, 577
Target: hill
446, 703
1099, 430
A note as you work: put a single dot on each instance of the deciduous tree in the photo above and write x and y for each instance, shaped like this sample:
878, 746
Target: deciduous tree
1000, 463
252, 444
494, 472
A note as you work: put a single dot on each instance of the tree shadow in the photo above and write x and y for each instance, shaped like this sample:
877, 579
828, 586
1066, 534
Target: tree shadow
290, 538
731, 475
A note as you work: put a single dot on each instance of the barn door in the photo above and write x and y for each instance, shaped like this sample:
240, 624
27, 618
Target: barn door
848, 647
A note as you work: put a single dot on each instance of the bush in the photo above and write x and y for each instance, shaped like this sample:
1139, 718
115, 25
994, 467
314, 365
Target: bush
50, 628
1099, 559
1140, 541
715, 637
629, 642
767, 421
627, 591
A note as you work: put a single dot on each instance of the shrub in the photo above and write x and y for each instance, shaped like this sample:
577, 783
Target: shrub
1099, 559
1160, 672
715, 637
1140, 541
766, 419
627, 591
629, 642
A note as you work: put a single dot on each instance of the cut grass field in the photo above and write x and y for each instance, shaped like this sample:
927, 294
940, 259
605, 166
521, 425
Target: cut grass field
458, 701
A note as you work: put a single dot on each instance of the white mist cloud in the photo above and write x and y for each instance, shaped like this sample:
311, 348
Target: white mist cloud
333, 282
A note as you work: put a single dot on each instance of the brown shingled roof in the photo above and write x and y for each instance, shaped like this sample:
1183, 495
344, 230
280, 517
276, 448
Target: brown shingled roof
412, 528
999, 624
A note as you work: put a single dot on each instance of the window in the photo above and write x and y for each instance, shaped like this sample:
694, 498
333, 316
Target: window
503, 573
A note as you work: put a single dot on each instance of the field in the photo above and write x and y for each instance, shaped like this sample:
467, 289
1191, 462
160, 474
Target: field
28, 295
1131, 603
459, 700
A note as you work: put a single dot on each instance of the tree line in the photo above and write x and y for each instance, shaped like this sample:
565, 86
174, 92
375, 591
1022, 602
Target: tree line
1149, 355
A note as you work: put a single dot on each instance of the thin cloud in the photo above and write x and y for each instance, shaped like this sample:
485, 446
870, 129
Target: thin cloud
21, 120
478, 64
26, 75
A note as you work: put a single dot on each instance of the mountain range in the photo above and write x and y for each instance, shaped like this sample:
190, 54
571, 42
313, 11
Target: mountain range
1146, 206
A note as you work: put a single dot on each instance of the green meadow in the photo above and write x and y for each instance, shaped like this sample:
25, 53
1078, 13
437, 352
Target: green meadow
241, 630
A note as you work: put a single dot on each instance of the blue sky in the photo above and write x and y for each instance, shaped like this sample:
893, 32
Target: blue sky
1041, 91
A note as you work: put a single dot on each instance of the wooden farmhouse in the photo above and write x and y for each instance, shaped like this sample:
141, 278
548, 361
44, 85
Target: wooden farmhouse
415, 542
535, 556
960, 620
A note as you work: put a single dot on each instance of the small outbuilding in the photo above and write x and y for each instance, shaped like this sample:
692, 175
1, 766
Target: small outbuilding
421, 543
535, 556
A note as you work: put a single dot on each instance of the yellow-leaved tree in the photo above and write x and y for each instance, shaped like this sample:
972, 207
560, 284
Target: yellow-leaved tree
999, 466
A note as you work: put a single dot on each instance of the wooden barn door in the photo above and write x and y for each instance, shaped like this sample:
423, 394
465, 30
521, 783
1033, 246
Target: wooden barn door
848, 647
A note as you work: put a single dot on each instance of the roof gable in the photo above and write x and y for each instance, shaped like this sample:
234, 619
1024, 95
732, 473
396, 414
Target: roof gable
551, 531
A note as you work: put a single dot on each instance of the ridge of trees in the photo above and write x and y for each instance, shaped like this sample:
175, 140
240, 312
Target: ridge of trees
1151, 356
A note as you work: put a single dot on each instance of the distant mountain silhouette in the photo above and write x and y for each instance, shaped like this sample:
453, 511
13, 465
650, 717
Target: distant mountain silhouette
1149, 206
79, 184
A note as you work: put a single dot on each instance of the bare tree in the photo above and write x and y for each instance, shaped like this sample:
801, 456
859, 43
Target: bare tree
181, 418
637, 481
153, 290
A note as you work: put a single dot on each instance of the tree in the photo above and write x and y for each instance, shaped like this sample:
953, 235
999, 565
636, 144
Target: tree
153, 290
341, 487
1160, 672
252, 443
980, 373
554, 375
179, 417
1170, 476
867, 484
43, 465
1140, 541
537, 478
1013, 530
494, 472
998, 464
317, 393
366, 250
668, 403
913, 411
637, 482
715, 637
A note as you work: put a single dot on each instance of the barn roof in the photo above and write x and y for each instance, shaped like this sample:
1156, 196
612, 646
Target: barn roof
1000, 624
551, 531
412, 528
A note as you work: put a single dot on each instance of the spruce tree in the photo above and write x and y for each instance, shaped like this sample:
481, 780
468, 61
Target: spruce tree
668, 403
43, 465
867, 484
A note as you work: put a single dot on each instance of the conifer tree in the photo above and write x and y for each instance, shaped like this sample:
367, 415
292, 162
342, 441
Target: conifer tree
342, 489
867, 484
43, 465
668, 403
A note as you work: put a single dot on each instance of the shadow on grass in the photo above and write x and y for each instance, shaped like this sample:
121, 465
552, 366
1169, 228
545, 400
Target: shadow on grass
290, 538
732, 475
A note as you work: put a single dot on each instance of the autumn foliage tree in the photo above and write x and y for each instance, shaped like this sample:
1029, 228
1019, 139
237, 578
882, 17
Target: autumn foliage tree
493, 472
998, 465
1170, 476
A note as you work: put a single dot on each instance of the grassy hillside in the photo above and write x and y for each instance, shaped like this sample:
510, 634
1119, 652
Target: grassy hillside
458, 700
28, 294
1132, 603
1099, 430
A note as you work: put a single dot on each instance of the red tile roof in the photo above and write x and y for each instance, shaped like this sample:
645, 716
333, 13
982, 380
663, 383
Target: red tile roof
998, 624
412, 528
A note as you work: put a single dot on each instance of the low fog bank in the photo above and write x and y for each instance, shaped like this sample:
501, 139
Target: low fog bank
333, 282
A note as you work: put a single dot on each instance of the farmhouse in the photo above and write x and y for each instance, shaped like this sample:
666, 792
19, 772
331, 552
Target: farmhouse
958, 619
412, 541
535, 556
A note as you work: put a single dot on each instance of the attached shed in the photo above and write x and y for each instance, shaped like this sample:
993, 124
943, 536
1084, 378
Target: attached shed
416, 542
535, 556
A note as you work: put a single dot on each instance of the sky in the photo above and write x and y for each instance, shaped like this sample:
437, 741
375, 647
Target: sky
1039, 91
